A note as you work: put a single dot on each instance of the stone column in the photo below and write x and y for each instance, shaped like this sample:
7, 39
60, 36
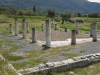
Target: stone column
55, 26
91, 30
33, 35
42, 27
48, 33
77, 27
11, 28
24, 28
27, 27
16, 27
73, 39
94, 31
65, 29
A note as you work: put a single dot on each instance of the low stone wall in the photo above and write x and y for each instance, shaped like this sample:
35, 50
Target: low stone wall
80, 61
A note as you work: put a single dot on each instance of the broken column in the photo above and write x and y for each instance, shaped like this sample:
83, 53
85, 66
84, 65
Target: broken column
77, 27
65, 29
11, 28
94, 31
42, 27
91, 30
16, 27
73, 39
48, 33
55, 26
24, 28
27, 25
33, 35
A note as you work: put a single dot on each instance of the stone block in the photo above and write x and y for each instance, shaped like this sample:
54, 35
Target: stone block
60, 68
79, 63
77, 58
41, 66
91, 59
97, 57
57, 63
65, 61
88, 56
97, 54
45, 71
49, 64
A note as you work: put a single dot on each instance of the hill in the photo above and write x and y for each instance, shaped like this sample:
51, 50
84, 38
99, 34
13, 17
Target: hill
61, 6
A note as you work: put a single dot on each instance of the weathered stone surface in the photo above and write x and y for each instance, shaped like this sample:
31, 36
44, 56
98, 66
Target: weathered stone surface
65, 61
79, 63
88, 56
60, 68
97, 57
45, 71
49, 64
70, 60
41, 66
91, 59
77, 58
97, 54
35, 69
57, 63
21, 70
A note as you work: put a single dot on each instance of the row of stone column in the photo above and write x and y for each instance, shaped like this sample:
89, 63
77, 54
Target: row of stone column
16, 26
24, 24
48, 32
55, 27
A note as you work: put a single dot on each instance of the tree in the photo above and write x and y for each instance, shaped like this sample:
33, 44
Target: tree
51, 13
34, 8
79, 14
20, 12
66, 17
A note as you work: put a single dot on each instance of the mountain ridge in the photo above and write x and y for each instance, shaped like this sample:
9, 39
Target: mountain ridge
61, 6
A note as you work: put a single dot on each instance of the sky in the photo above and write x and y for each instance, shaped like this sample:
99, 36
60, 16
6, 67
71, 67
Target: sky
94, 1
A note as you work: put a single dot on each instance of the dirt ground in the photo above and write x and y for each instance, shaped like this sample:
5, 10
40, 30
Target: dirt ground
57, 35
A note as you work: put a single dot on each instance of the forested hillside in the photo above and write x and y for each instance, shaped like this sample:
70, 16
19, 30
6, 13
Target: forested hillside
61, 6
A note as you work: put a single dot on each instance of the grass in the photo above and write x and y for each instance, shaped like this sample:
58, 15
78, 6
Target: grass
4, 70
82, 51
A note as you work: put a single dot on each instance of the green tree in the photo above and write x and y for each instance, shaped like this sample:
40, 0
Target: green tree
34, 8
79, 14
51, 13
20, 12
66, 17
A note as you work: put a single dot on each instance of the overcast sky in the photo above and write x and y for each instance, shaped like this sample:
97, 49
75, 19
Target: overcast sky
94, 1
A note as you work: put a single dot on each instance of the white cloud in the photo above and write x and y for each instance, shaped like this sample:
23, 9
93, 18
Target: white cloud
94, 1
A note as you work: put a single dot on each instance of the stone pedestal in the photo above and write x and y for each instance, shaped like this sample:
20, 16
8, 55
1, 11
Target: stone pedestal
42, 27
11, 28
73, 38
33, 35
24, 28
77, 27
48, 33
65, 29
91, 30
94, 31
16, 27
27, 27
